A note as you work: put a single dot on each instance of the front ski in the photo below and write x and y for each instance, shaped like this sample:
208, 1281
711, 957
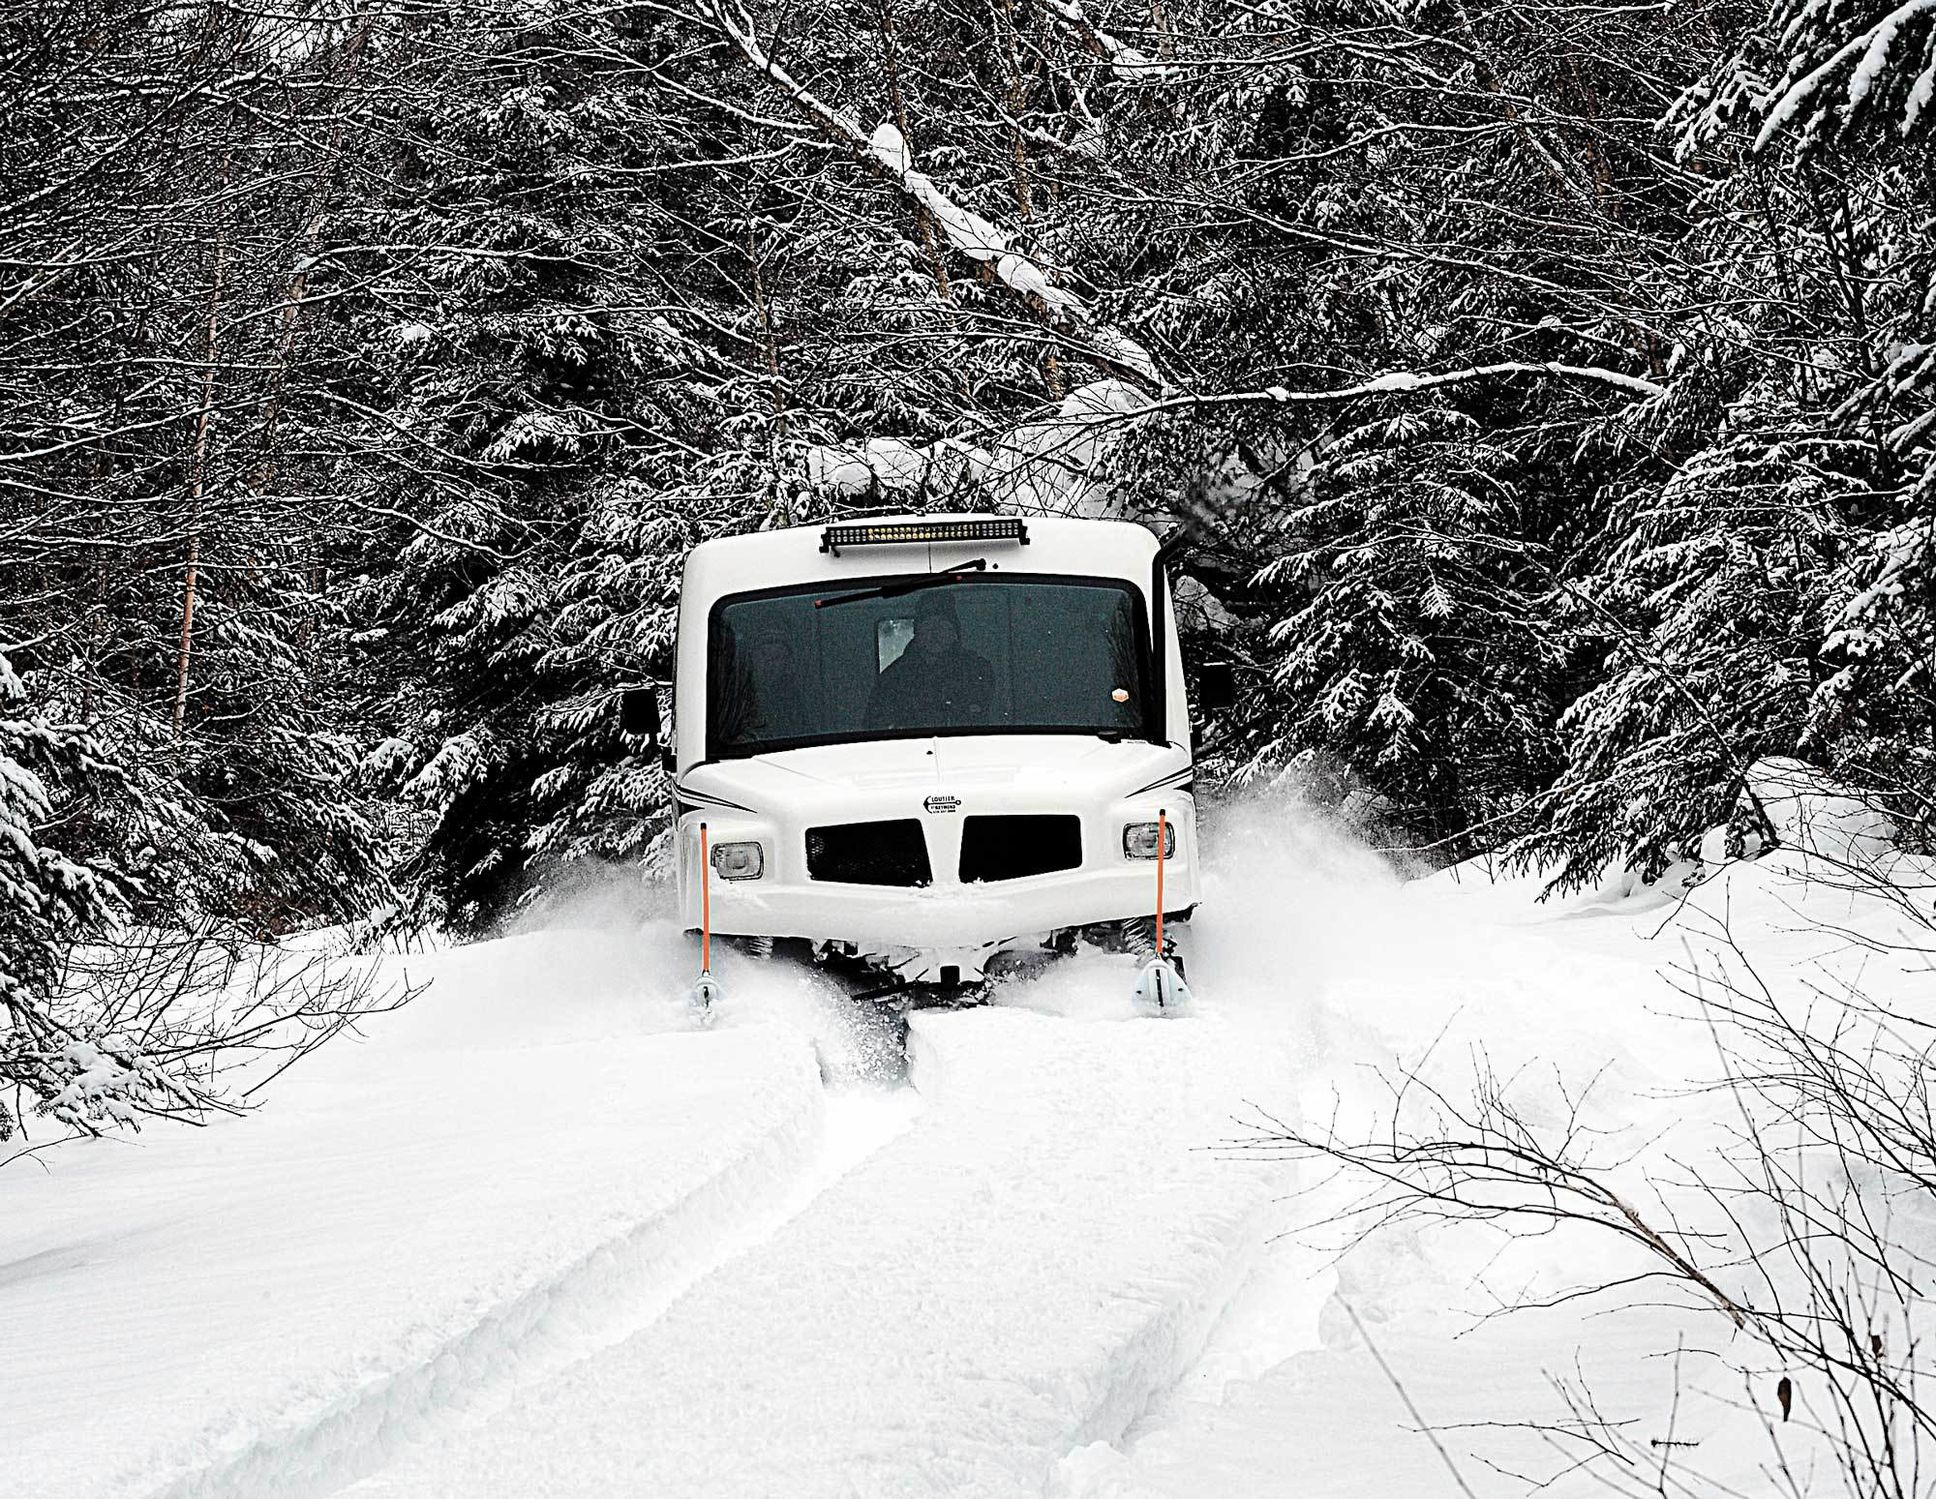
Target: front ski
704, 995
703, 999
1160, 989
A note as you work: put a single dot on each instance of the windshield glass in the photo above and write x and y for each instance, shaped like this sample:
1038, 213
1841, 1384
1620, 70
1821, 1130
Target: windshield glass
981, 654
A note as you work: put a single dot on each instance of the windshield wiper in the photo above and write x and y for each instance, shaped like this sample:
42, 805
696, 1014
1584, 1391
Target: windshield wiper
910, 585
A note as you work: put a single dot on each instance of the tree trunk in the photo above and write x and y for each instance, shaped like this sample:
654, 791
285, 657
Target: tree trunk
897, 103
1017, 101
198, 460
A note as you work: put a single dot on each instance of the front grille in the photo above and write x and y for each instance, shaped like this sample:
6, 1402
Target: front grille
869, 853
1008, 848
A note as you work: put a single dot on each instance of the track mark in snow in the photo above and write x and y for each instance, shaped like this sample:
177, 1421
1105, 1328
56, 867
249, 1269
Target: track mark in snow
859, 1122
1041, 1252
621, 1289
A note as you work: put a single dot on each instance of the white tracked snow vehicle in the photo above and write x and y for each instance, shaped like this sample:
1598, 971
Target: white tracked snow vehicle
926, 742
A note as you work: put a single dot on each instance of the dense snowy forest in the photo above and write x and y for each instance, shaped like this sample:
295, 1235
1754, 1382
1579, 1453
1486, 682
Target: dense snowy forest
1546, 394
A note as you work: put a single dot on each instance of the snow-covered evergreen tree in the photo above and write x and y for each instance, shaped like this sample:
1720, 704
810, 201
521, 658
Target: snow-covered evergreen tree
48, 897
1415, 648
1709, 622
544, 380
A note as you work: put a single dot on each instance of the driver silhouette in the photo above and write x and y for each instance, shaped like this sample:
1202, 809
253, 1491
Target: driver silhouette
936, 683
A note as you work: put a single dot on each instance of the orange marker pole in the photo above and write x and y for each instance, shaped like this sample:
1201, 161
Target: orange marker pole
1162, 837
706, 902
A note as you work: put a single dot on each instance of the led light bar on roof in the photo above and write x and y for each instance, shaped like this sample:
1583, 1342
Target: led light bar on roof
917, 532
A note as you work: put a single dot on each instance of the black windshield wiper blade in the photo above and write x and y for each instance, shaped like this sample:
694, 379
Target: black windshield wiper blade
911, 585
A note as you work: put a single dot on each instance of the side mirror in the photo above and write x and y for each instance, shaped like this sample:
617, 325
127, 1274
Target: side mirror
1217, 685
638, 712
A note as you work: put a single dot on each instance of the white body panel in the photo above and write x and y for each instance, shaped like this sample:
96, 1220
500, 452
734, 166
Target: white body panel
776, 797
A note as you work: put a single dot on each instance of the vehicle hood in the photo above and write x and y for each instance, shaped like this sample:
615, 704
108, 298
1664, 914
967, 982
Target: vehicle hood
948, 765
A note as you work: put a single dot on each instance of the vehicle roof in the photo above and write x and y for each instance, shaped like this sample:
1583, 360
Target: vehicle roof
1056, 544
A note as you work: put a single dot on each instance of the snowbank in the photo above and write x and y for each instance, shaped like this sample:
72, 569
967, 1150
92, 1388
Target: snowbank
1436, 1356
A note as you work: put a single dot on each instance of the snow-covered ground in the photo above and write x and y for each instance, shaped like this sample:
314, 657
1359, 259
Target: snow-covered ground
532, 1236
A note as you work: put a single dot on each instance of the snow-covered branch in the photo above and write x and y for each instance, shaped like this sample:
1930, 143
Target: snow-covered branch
886, 152
1047, 465
1398, 382
1126, 62
1869, 52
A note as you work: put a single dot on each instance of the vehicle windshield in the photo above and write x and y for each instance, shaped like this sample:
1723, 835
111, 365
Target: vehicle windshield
984, 654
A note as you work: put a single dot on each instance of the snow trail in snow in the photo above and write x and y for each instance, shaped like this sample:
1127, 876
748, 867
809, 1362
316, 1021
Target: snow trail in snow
629, 1284
1041, 1253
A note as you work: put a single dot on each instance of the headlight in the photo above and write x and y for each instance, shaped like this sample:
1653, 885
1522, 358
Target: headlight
1139, 840
738, 861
